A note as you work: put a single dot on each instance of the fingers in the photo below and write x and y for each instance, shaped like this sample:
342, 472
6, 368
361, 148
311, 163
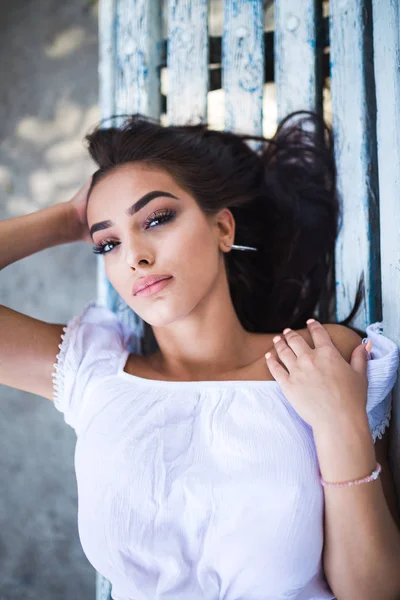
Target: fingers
296, 342
359, 359
290, 346
284, 352
319, 334
278, 372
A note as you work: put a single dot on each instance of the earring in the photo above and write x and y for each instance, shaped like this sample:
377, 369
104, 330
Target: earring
235, 247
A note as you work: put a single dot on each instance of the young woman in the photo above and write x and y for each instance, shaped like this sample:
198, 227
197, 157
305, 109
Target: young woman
237, 461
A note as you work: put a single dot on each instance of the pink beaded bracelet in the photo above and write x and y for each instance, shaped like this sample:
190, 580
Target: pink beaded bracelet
374, 475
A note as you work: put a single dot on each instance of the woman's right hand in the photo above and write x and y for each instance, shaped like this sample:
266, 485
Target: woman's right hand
78, 204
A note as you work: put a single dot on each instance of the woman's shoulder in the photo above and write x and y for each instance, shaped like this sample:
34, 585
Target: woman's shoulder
343, 338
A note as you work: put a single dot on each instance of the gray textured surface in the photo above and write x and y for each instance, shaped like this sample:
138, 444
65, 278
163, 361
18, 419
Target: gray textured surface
48, 101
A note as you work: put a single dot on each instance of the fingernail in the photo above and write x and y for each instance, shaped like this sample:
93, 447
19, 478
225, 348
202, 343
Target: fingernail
367, 348
310, 321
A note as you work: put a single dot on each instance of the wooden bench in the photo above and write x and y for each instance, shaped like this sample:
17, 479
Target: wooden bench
354, 51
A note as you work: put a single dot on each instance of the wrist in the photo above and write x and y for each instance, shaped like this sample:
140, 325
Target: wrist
74, 229
346, 450
350, 422
31, 233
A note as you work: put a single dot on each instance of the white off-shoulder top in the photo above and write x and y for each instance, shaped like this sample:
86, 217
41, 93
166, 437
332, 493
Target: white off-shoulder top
205, 490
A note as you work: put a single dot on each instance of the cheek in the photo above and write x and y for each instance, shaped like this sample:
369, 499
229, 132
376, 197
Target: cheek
193, 250
113, 268
195, 264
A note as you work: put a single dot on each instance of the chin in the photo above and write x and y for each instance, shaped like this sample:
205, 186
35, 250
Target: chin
160, 320
162, 316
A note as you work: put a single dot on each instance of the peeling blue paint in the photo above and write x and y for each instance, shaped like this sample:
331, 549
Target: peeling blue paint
243, 65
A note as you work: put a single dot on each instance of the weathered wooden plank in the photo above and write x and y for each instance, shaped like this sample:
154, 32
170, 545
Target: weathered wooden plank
297, 56
353, 107
386, 26
103, 588
138, 50
187, 61
243, 65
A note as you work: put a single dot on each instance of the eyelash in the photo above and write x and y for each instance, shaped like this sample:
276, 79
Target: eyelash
162, 215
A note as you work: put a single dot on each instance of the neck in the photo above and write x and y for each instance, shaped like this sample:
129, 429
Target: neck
205, 344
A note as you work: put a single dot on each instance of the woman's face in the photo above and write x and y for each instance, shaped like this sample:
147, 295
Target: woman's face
166, 236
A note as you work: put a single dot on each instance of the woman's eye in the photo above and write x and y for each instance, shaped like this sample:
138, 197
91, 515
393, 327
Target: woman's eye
101, 248
161, 216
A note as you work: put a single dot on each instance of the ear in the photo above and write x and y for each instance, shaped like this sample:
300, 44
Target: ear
226, 226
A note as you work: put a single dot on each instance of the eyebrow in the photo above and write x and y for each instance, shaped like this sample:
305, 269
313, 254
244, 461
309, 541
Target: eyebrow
132, 209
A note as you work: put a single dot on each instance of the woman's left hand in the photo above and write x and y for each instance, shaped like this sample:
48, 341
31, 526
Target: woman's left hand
320, 384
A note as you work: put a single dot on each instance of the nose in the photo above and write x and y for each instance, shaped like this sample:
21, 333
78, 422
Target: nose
136, 254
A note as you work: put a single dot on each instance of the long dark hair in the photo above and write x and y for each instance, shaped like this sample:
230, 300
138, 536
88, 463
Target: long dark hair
282, 194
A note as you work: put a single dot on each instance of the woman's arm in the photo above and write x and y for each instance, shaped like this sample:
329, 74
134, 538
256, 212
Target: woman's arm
23, 236
362, 543
28, 347
52, 226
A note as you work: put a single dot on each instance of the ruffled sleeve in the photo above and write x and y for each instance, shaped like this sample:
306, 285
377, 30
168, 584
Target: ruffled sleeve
92, 342
382, 375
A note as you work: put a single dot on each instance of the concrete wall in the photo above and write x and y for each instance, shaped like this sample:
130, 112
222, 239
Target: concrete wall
48, 102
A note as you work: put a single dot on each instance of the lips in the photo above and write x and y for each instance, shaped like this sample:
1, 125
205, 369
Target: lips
145, 282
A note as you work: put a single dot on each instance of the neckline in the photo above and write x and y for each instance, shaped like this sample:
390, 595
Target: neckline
209, 383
